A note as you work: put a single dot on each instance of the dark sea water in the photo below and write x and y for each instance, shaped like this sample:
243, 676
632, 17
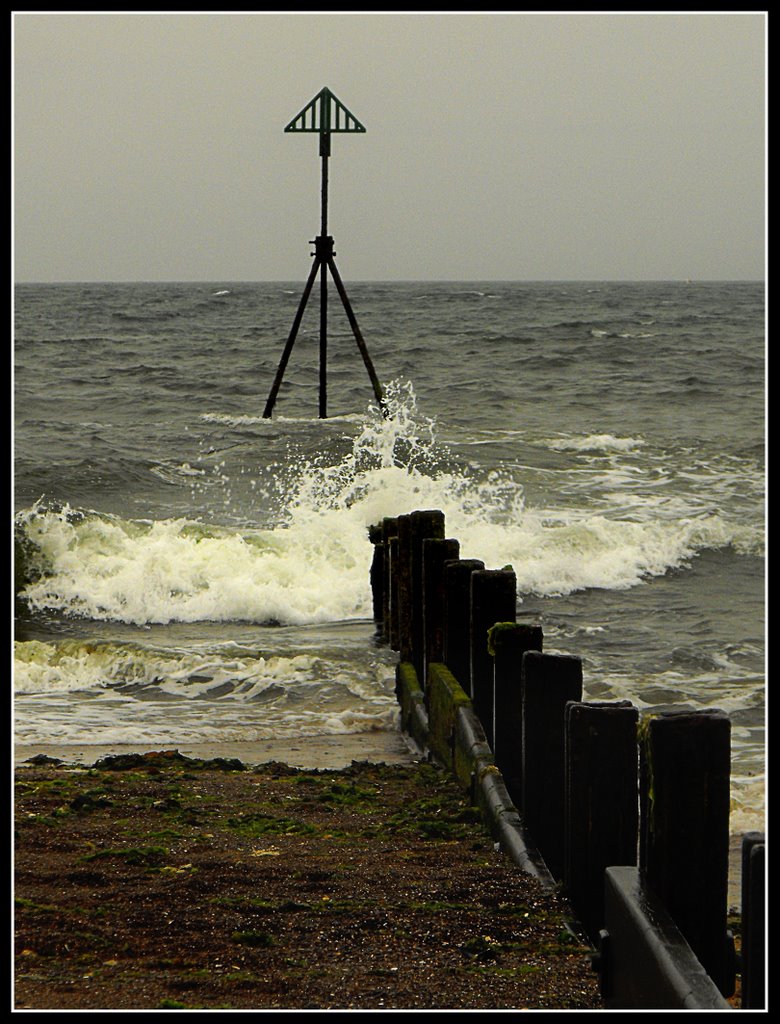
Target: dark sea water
191, 571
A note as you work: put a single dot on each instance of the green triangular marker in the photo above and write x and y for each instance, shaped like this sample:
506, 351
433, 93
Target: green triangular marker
325, 113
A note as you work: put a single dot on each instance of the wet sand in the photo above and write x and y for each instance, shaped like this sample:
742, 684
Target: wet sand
331, 752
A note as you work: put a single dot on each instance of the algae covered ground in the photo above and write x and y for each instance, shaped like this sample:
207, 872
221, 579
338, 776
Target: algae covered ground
157, 881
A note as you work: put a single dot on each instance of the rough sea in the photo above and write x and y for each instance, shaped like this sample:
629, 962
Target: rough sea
190, 571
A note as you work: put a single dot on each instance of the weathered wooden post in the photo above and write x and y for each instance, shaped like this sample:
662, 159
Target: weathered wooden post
601, 802
753, 919
377, 577
435, 552
389, 531
404, 587
412, 530
509, 641
550, 681
457, 618
685, 764
425, 523
493, 599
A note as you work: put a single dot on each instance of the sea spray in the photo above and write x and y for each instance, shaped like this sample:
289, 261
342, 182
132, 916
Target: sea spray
311, 566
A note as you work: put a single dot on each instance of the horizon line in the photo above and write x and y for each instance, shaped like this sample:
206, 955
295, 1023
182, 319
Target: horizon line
409, 280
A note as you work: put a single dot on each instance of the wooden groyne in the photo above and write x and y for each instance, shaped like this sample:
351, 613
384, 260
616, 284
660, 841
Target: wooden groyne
628, 814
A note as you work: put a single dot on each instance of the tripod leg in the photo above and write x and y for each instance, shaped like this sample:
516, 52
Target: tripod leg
269, 405
324, 340
358, 336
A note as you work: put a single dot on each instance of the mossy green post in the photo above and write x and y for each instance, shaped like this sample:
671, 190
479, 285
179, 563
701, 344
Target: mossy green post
414, 717
444, 696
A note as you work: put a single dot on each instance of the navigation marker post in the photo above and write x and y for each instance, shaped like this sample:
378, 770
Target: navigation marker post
325, 114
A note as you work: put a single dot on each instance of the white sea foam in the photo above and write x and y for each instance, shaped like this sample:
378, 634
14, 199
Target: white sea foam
71, 665
130, 693
112, 569
312, 567
594, 442
748, 805
252, 420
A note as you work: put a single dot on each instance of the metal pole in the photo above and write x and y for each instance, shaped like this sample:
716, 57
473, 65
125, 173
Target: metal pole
324, 153
316, 116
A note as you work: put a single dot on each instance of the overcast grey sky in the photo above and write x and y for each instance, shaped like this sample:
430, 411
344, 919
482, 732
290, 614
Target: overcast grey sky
506, 146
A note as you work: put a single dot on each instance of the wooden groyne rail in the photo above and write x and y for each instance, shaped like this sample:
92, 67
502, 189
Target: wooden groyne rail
629, 815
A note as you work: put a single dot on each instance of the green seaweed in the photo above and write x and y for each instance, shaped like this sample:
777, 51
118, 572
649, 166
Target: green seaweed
493, 632
148, 856
266, 824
